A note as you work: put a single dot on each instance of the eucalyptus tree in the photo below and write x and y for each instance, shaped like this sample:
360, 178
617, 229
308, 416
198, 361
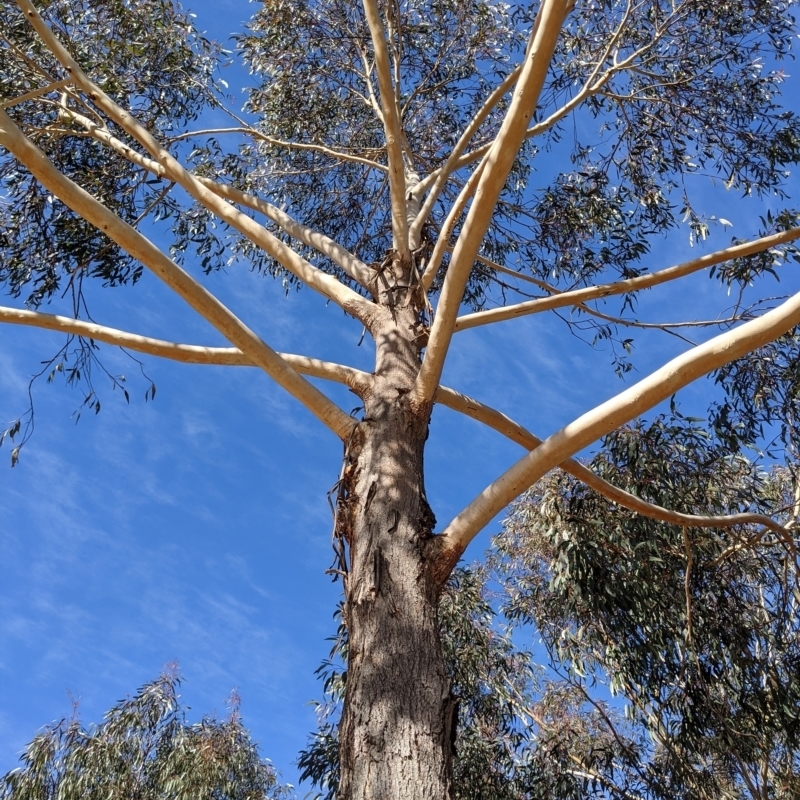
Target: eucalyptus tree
694, 629
144, 747
383, 160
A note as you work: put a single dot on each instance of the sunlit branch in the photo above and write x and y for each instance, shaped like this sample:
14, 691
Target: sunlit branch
512, 430
340, 256
395, 44
373, 100
33, 94
353, 266
549, 20
578, 296
327, 285
143, 250
592, 86
443, 242
358, 381
518, 275
785, 539
618, 410
628, 323
317, 148
102, 134
392, 128
184, 353
436, 180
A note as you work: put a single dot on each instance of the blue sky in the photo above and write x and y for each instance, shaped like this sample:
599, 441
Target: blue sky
195, 527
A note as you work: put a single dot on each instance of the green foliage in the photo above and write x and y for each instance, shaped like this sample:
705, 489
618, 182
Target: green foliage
149, 58
696, 630
695, 93
762, 397
144, 750
703, 99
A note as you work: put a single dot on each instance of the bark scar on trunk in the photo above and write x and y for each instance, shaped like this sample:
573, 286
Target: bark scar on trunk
377, 569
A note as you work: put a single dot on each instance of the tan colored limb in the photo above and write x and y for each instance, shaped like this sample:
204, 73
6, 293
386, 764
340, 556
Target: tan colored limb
184, 353
592, 86
618, 410
316, 148
325, 284
392, 128
34, 93
340, 256
358, 381
443, 242
512, 430
140, 248
578, 296
436, 181
499, 160
353, 266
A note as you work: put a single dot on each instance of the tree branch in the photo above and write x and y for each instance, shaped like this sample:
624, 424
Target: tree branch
443, 242
317, 148
354, 379
608, 416
34, 93
512, 430
440, 177
592, 86
578, 296
340, 256
325, 284
393, 129
140, 248
358, 381
353, 266
499, 160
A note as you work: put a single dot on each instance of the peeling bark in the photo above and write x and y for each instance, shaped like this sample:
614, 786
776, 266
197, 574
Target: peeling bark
397, 723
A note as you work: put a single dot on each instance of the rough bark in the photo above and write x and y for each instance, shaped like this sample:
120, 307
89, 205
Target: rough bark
396, 729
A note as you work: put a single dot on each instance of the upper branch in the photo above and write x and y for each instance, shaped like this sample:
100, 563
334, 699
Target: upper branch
327, 285
514, 431
355, 379
437, 180
443, 242
205, 303
353, 266
392, 127
579, 296
340, 256
316, 148
610, 415
499, 160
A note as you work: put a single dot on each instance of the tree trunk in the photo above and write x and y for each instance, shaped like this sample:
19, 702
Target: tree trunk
396, 729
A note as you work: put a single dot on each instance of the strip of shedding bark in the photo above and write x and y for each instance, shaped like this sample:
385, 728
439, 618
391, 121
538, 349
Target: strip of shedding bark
199, 298
608, 416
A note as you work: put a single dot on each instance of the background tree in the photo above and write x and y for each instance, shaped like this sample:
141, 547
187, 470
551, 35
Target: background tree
145, 748
402, 136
